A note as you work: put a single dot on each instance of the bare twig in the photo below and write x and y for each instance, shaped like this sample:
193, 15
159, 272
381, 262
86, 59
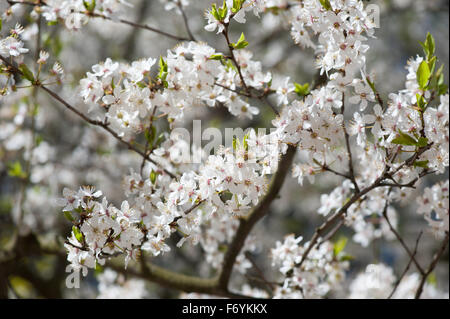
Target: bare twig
349, 150
432, 265
186, 22
233, 58
407, 266
401, 241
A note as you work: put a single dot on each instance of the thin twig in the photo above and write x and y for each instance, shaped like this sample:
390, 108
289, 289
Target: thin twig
186, 22
233, 58
401, 241
407, 266
432, 265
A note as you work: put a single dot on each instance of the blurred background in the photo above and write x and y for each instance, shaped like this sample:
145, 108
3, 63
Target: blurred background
71, 153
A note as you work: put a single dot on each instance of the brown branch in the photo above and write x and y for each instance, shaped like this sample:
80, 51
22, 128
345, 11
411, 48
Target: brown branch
186, 22
246, 224
136, 25
260, 273
106, 127
407, 266
339, 214
233, 58
102, 16
401, 241
101, 124
349, 150
432, 265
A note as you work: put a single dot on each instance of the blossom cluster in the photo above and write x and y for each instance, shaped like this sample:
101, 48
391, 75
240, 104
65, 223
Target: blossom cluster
322, 271
12, 46
434, 206
75, 13
187, 78
382, 138
100, 229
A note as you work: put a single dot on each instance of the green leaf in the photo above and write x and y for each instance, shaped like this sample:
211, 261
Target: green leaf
423, 164
301, 89
89, 6
1, 24
218, 57
162, 65
443, 89
78, 234
223, 11
346, 258
153, 176
404, 139
163, 68
339, 245
69, 216
432, 279
430, 44
420, 101
326, 4
98, 268
422, 142
245, 141
241, 43
150, 135
432, 64
423, 75
237, 5
27, 74
15, 170
214, 12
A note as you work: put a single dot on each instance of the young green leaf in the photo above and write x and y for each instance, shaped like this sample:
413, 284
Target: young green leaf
422, 142
26, 72
223, 11
69, 216
423, 75
15, 170
423, 164
429, 42
420, 101
153, 176
90, 6
241, 43
326, 4
237, 5
301, 89
404, 139
78, 234
218, 57
339, 245
150, 135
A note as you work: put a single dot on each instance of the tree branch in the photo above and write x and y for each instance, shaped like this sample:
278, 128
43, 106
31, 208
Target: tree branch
407, 266
432, 265
246, 224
